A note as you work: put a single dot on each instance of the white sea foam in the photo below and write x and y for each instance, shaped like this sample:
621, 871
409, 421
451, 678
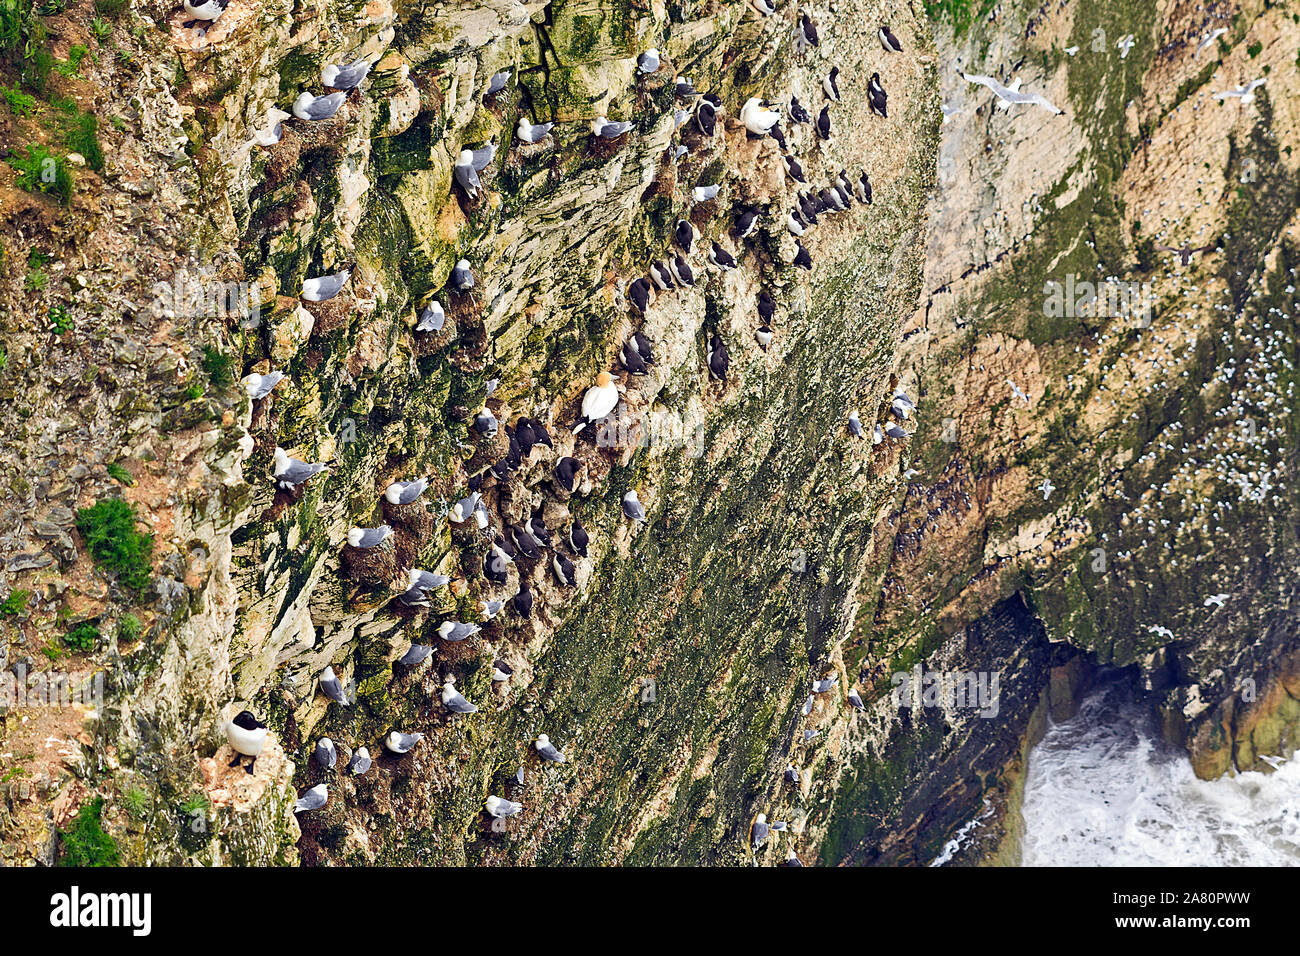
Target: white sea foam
1104, 790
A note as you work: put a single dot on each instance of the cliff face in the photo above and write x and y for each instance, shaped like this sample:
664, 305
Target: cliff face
777, 550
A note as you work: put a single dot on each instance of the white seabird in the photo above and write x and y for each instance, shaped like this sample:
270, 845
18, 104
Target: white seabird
757, 118
325, 753
531, 133
400, 743
348, 77
705, 193
453, 631
326, 287
368, 537
405, 492
605, 129
547, 750
454, 702
469, 164
274, 127
317, 108
500, 807
205, 10
497, 83
260, 386
246, 736
359, 763
1007, 95
332, 687
648, 62
855, 426
312, 799
290, 472
431, 318
632, 507
1244, 93
462, 276
598, 402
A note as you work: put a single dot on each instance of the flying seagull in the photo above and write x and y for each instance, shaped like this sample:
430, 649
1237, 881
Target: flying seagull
1007, 95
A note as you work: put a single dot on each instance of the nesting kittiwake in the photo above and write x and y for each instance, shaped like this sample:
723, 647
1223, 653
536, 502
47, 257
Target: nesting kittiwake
547, 750
606, 129
532, 133
359, 763
274, 128
855, 699
759, 831
648, 62
322, 288
792, 859
791, 775
400, 743
332, 687
344, 77
368, 537
598, 402
807, 707
260, 386
246, 736
499, 807
461, 510
893, 431
405, 492
462, 276
317, 108
497, 83
823, 685
485, 423
290, 472
491, 609
426, 580
683, 88
312, 799
469, 164
432, 318
325, 754
877, 435
455, 703
452, 631
632, 507
415, 654
705, 193
855, 426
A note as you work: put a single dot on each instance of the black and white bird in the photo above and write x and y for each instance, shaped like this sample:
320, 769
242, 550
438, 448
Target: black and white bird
763, 335
578, 538
863, 189
606, 129
631, 359
494, 568
642, 345
431, 318
405, 492
648, 62
289, 472
547, 751
802, 259
791, 775
453, 631
719, 359
246, 736
344, 76
332, 687
522, 602
462, 510
794, 170
720, 257
454, 702
499, 807
684, 234
824, 123
524, 542
470, 163
501, 671
206, 11
316, 108
368, 537
877, 99
681, 271
797, 112
706, 117
566, 472
683, 88
497, 83
400, 743
325, 753
745, 223
312, 799
830, 85
807, 32
462, 276
888, 40
766, 307
764, 7
640, 294
359, 763
323, 288
776, 133
661, 275
758, 833
632, 508
260, 386
564, 570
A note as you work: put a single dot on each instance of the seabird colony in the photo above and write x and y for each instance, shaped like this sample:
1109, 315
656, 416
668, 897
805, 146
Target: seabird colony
699, 117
